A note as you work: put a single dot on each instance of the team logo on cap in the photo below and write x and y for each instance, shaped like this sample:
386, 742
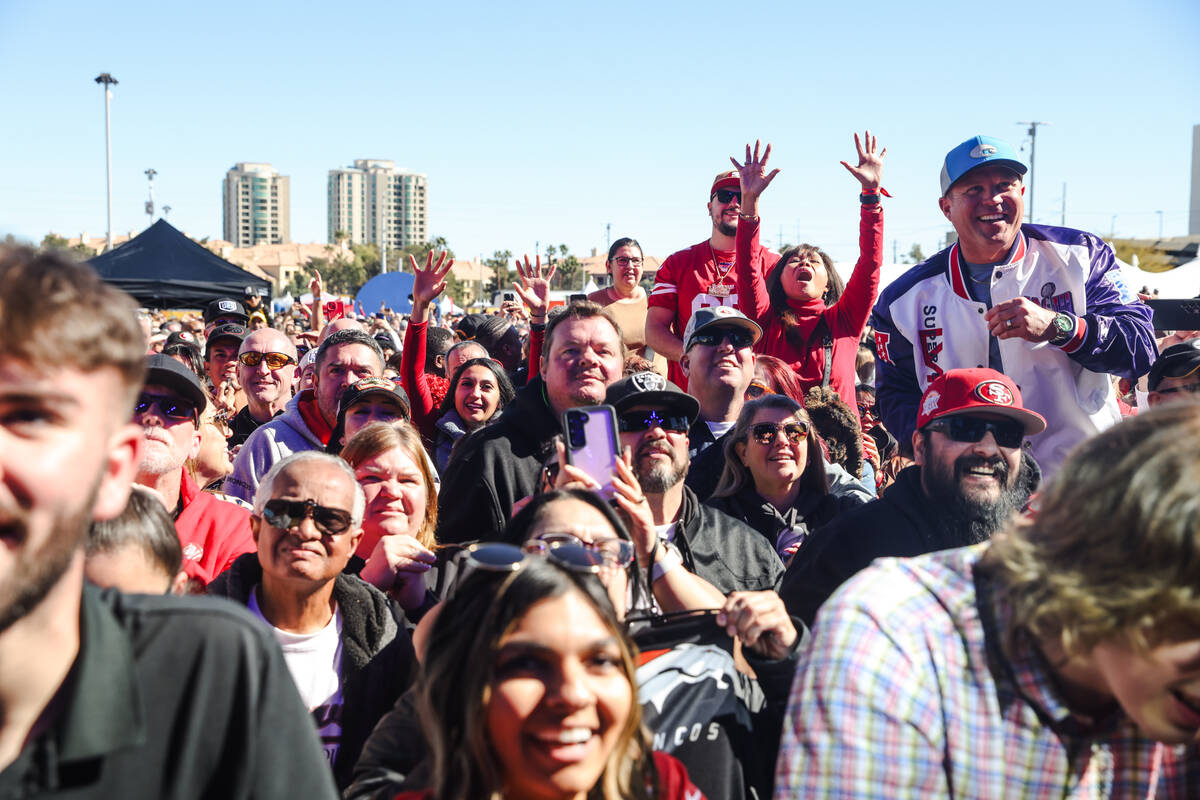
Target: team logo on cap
983, 151
994, 392
931, 403
227, 305
724, 311
648, 381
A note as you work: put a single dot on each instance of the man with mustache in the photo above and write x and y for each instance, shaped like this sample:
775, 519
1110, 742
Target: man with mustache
1046, 306
653, 417
213, 530
970, 477
498, 465
105, 694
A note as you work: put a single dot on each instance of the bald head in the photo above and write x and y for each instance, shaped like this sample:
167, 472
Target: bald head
267, 388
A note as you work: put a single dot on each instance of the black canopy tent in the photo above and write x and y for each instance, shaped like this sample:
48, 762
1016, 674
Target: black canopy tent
162, 268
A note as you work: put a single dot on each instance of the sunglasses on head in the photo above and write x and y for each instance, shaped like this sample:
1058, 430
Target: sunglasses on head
757, 389
737, 337
284, 514
274, 360
765, 432
169, 406
635, 421
504, 559
1007, 432
725, 195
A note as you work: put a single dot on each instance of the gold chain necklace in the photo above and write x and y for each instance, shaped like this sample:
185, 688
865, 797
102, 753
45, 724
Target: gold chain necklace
718, 288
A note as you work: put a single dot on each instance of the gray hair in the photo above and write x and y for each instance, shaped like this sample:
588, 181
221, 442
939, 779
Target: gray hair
267, 486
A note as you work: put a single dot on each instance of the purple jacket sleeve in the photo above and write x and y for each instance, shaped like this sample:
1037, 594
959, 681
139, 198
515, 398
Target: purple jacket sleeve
1119, 335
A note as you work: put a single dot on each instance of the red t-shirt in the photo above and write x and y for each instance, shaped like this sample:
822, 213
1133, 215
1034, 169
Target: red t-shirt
693, 279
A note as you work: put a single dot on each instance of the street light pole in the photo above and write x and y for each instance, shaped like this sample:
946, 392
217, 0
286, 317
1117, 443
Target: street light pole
107, 80
1033, 126
150, 173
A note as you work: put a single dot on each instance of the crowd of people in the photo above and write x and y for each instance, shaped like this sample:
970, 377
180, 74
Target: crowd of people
941, 540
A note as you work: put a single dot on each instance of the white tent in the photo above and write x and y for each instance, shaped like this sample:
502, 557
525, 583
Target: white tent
1181, 283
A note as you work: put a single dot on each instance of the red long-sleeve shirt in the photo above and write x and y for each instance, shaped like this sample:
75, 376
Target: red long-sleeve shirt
846, 318
425, 392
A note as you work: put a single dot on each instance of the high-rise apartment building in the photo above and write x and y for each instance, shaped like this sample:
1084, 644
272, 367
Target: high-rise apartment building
373, 202
256, 205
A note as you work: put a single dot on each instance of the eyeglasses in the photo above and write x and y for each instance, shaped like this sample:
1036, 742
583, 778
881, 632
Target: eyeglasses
169, 406
765, 432
1008, 432
757, 389
1194, 388
284, 514
616, 552
737, 337
635, 421
274, 360
626, 261
725, 195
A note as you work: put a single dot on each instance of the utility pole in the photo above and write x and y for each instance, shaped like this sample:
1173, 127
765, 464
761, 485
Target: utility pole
895, 252
150, 173
1033, 126
1063, 221
608, 237
107, 81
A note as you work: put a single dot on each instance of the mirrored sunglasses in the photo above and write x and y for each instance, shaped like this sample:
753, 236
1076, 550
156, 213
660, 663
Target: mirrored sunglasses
635, 421
765, 432
965, 428
285, 514
169, 406
274, 360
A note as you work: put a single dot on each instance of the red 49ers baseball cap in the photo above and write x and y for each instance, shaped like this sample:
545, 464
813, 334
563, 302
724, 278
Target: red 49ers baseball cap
726, 180
967, 391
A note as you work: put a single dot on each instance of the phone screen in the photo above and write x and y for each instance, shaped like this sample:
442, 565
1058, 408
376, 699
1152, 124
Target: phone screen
592, 443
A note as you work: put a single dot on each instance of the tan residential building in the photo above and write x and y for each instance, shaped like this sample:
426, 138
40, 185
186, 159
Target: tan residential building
375, 203
257, 205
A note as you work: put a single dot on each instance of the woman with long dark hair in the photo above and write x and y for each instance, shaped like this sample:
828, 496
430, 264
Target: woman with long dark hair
479, 391
809, 319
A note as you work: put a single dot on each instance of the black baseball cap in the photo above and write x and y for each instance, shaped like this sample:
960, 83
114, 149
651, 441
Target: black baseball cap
1177, 361
230, 330
225, 307
652, 389
165, 371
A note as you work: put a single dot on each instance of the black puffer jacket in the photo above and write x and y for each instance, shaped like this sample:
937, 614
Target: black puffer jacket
496, 466
901, 523
378, 662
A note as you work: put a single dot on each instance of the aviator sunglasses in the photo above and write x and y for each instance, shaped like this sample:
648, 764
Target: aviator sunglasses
635, 421
274, 360
284, 514
765, 432
1008, 433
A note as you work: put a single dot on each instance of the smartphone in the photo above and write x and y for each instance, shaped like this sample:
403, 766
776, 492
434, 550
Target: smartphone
509, 297
592, 443
1176, 315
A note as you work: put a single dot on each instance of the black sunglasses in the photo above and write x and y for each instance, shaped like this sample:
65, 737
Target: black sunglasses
284, 514
170, 407
765, 432
725, 195
274, 360
1194, 388
737, 337
635, 421
1008, 433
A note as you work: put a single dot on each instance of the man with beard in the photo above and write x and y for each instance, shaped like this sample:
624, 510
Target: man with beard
213, 531
971, 475
266, 372
699, 277
499, 464
113, 695
347, 355
653, 417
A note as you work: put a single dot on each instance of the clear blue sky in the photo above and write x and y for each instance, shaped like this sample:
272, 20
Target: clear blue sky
547, 121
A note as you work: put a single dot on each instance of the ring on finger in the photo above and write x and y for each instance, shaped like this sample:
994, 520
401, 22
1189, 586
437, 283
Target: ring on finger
1009, 323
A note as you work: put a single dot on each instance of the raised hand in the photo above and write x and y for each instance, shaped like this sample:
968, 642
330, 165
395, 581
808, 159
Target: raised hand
534, 287
428, 283
315, 286
753, 173
869, 171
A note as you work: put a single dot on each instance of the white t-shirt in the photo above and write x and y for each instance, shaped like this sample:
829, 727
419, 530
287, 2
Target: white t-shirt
719, 429
315, 662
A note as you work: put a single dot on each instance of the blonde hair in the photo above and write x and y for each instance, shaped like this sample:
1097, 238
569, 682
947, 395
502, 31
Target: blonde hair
1114, 549
380, 437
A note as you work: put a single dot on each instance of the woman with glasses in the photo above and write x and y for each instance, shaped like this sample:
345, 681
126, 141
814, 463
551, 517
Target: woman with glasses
626, 300
776, 479
809, 319
396, 549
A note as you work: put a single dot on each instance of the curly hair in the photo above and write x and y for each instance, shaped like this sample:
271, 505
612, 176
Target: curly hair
838, 426
1114, 548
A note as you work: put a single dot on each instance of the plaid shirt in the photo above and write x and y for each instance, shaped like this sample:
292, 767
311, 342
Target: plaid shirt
904, 691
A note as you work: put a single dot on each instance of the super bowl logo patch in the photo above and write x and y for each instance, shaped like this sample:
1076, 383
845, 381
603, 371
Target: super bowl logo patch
930, 404
994, 392
1055, 302
931, 348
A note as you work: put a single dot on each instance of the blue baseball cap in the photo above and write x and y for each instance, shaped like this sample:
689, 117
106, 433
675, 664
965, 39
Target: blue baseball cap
975, 152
